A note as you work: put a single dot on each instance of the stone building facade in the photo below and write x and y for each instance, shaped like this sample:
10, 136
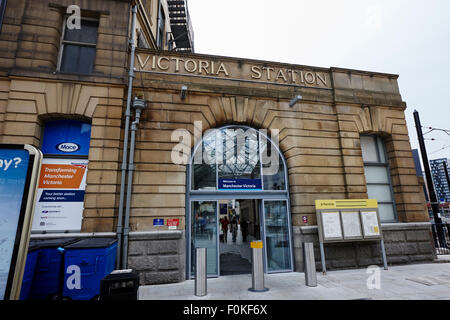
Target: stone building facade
319, 136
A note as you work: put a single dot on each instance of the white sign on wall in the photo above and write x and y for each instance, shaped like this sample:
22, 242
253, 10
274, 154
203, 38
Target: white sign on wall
60, 197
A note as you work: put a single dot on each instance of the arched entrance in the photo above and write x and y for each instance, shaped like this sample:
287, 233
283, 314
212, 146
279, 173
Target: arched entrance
238, 172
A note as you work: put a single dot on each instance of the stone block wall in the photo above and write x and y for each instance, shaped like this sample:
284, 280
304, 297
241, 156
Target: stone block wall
404, 243
158, 256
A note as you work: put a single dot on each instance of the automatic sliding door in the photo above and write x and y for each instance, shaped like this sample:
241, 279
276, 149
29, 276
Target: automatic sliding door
204, 234
277, 236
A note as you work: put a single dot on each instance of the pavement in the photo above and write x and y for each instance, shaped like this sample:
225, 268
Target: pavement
427, 281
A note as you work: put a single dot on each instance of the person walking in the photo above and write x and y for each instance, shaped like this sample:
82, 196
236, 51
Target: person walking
234, 228
225, 224
244, 229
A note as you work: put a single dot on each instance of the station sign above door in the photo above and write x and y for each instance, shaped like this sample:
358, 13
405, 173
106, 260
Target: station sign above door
240, 184
233, 69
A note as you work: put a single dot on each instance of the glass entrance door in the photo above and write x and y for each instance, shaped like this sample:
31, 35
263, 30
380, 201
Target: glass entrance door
204, 234
277, 236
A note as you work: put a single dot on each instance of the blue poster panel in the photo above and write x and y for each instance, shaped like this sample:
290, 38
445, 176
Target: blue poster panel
13, 176
240, 184
68, 137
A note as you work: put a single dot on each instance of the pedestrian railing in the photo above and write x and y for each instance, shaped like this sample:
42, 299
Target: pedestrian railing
441, 236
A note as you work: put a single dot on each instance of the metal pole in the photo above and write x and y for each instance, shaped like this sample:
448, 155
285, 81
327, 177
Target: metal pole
431, 190
126, 229
125, 138
383, 253
309, 264
200, 272
257, 267
322, 258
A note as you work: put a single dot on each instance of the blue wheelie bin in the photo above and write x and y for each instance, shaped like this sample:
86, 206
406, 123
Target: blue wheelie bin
47, 281
86, 263
30, 267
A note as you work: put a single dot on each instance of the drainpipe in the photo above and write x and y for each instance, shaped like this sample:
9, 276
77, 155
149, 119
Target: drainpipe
139, 105
125, 140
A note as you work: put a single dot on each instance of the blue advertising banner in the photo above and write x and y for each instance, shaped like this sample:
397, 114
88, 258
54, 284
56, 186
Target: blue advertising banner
240, 184
13, 176
158, 222
68, 137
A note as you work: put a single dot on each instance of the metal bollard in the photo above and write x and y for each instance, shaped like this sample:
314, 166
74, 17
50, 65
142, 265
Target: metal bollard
309, 264
257, 267
200, 272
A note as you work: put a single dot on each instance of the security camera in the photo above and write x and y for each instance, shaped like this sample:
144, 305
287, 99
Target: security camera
295, 100
183, 92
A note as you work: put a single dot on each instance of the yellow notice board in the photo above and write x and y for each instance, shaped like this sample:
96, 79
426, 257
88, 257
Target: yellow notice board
348, 220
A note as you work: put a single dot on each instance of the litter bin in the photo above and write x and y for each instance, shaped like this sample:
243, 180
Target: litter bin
47, 281
120, 285
28, 274
86, 263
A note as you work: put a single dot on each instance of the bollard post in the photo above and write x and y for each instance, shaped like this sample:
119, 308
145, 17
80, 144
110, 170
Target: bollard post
309, 264
200, 272
257, 267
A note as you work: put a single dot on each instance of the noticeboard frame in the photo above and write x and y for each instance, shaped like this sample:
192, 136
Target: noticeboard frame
341, 206
363, 238
23, 231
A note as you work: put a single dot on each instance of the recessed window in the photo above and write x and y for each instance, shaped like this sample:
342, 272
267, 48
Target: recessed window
2, 12
376, 170
78, 48
161, 28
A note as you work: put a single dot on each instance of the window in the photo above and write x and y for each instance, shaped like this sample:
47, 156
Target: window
78, 47
62, 182
376, 170
66, 137
2, 12
161, 28
230, 158
142, 41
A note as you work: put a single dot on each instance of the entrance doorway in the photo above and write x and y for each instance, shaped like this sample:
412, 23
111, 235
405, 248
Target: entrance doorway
239, 223
237, 171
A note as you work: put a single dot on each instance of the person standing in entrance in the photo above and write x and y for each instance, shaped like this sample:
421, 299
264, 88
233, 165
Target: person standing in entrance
234, 228
225, 224
244, 229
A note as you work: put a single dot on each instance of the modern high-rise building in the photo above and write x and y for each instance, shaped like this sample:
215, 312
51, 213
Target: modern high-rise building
440, 178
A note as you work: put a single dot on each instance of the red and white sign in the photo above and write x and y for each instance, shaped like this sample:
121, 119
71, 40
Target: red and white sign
173, 223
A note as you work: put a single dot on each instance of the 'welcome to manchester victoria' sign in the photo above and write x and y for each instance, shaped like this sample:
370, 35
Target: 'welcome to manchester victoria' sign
233, 69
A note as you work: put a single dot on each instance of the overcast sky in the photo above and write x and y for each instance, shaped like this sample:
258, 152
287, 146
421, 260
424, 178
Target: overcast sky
410, 38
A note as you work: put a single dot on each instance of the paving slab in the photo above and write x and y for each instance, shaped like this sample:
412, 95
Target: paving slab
428, 281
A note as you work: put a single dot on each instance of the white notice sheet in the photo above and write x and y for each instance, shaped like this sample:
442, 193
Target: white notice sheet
370, 223
331, 225
351, 225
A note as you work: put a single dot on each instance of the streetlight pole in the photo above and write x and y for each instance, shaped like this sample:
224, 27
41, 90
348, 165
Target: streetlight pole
431, 190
